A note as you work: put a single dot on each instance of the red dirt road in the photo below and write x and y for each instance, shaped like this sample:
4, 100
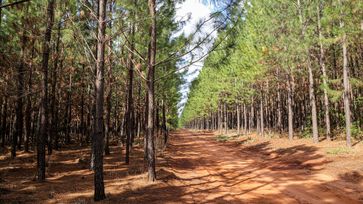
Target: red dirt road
194, 168
212, 172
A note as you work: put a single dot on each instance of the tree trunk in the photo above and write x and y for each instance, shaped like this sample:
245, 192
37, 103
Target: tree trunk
325, 77
261, 117
139, 113
99, 193
279, 107
82, 126
109, 91
150, 94
252, 115
346, 87
28, 110
68, 118
238, 119
54, 123
108, 120
4, 123
56, 114
44, 94
219, 117
313, 103
311, 80
164, 128
289, 104
1, 15
225, 115
245, 119
130, 102
19, 102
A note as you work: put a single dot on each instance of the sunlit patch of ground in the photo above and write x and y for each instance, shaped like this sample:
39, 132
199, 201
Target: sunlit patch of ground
197, 168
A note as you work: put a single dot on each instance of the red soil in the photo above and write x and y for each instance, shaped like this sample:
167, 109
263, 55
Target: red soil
195, 168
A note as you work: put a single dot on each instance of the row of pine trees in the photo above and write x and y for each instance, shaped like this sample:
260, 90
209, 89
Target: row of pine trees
88, 73
285, 66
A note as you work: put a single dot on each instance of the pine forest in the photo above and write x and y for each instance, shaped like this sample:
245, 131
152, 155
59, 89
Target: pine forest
181, 101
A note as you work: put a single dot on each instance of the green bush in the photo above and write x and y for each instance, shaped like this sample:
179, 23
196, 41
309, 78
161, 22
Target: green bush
357, 132
249, 140
338, 151
307, 133
222, 138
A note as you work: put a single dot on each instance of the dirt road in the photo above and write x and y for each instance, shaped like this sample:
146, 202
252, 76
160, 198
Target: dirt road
194, 168
203, 170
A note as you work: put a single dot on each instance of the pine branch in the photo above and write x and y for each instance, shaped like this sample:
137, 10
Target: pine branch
13, 4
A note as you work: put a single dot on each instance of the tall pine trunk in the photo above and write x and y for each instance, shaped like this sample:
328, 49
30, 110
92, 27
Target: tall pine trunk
164, 128
28, 109
279, 105
314, 120
313, 103
130, 102
4, 123
68, 117
238, 119
261, 117
244, 119
150, 94
346, 87
323, 70
109, 91
53, 130
82, 125
289, 106
19, 101
252, 115
99, 190
225, 115
44, 94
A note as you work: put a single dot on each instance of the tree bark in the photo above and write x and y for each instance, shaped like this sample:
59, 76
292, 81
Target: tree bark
289, 104
219, 114
279, 106
1, 15
164, 128
53, 132
238, 119
244, 119
325, 84
19, 101
314, 120
109, 91
99, 191
346, 87
225, 115
261, 117
252, 115
82, 125
4, 123
313, 103
28, 109
130, 102
150, 94
68, 118
44, 94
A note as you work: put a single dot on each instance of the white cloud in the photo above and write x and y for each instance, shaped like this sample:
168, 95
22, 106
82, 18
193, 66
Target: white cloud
196, 11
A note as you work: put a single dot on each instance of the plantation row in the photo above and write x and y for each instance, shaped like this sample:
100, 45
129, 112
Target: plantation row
286, 66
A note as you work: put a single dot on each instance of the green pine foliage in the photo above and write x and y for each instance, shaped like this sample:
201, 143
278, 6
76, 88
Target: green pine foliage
271, 44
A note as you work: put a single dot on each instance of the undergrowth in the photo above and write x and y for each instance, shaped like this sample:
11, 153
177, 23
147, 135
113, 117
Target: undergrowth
339, 151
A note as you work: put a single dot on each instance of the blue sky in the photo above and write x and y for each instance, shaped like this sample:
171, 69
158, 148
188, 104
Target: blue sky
197, 11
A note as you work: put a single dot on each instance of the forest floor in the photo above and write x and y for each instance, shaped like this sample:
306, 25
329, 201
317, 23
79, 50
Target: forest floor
197, 167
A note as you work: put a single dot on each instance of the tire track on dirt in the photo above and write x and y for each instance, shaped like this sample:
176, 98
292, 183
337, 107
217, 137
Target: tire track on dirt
227, 174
